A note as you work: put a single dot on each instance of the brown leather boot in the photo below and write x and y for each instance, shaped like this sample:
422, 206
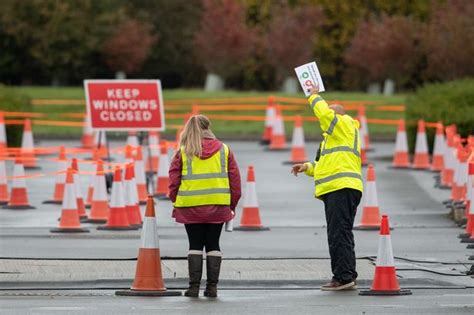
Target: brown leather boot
213, 264
195, 274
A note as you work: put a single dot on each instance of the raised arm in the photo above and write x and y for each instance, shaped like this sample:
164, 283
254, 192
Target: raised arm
327, 117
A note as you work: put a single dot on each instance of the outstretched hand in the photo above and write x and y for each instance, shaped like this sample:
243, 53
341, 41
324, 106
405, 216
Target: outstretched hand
298, 168
314, 89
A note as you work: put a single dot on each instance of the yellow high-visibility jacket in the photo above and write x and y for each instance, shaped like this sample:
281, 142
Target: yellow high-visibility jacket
204, 181
339, 165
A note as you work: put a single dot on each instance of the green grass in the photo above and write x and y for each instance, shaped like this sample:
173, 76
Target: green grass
221, 128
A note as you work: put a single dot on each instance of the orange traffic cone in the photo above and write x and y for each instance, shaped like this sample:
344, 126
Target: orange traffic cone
69, 222
87, 139
154, 145
19, 193
162, 180
422, 159
400, 157
269, 118
438, 149
3, 133
118, 219
363, 153
278, 141
140, 176
469, 202
3, 183
370, 212
132, 139
80, 200
99, 205
62, 166
148, 275
27, 147
458, 189
128, 154
298, 152
250, 219
447, 174
385, 279
364, 129
131, 197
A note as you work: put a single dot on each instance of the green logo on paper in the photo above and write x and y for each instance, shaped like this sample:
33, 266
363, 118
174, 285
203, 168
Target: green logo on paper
305, 75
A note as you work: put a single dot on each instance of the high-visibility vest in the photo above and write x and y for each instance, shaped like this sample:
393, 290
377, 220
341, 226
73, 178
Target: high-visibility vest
340, 164
204, 181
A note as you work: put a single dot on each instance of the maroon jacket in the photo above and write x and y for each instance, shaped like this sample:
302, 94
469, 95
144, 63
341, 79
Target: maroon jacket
206, 213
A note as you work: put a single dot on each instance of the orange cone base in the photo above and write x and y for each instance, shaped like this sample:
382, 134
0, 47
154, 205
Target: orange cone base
401, 160
69, 230
421, 162
381, 293
148, 293
251, 228
18, 207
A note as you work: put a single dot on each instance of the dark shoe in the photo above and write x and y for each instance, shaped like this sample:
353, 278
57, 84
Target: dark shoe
338, 286
195, 274
213, 264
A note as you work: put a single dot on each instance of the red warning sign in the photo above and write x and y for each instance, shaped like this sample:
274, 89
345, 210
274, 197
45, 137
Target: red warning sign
125, 104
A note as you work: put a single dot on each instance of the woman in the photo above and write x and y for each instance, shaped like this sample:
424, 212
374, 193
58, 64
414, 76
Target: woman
205, 189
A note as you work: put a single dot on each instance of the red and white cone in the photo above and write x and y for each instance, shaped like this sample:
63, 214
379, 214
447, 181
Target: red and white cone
87, 139
131, 197
269, 118
400, 157
250, 219
129, 158
278, 139
77, 184
18, 194
298, 151
118, 218
28, 148
62, 166
132, 139
3, 183
140, 176
447, 174
364, 129
422, 158
148, 275
99, 205
154, 144
469, 202
458, 189
370, 212
438, 149
385, 278
3, 133
162, 180
69, 222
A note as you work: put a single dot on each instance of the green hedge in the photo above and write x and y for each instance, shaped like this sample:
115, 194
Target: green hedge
450, 103
14, 101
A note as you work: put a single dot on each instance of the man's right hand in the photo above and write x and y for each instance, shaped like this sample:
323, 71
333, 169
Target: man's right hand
298, 168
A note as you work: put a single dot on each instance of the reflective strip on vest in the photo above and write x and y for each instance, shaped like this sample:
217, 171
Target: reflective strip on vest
317, 99
191, 176
344, 148
204, 192
337, 176
332, 125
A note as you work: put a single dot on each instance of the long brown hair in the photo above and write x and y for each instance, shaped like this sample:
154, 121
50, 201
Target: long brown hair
196, 128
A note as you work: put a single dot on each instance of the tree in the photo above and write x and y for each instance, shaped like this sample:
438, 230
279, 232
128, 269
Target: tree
129, 46
449, 40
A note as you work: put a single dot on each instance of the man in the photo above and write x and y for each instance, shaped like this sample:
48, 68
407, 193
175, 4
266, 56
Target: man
338, 183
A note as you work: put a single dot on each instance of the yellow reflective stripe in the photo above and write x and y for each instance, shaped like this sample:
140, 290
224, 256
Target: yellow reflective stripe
344, 148
337, 176
204, 192
315, 101
332, 125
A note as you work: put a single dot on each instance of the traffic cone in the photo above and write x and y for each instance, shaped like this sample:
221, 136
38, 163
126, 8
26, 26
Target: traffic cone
3, 183
385, 278
277, 140
162, 180
3, 133
447, 174
132, 139
128, 154
154, 145
148, 275
118, 218
87, 139
77, 184
370, 212
250, 219
422, 159
400, 157
100, 143
140, 176
62, 166
469, 202
438, 149
363, 152
458, 189
269, 118
99, 205
131, 197
364, 129
90, 192
19, 194
298, 152
69, 222
27, 147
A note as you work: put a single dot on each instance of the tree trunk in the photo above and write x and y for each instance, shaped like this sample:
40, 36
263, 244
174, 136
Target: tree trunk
290, 85
213, 83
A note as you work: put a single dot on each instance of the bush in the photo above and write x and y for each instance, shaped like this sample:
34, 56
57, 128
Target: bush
450, 103
14, 101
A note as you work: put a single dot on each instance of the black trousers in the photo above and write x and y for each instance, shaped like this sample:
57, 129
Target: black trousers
341, 207
204, 235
